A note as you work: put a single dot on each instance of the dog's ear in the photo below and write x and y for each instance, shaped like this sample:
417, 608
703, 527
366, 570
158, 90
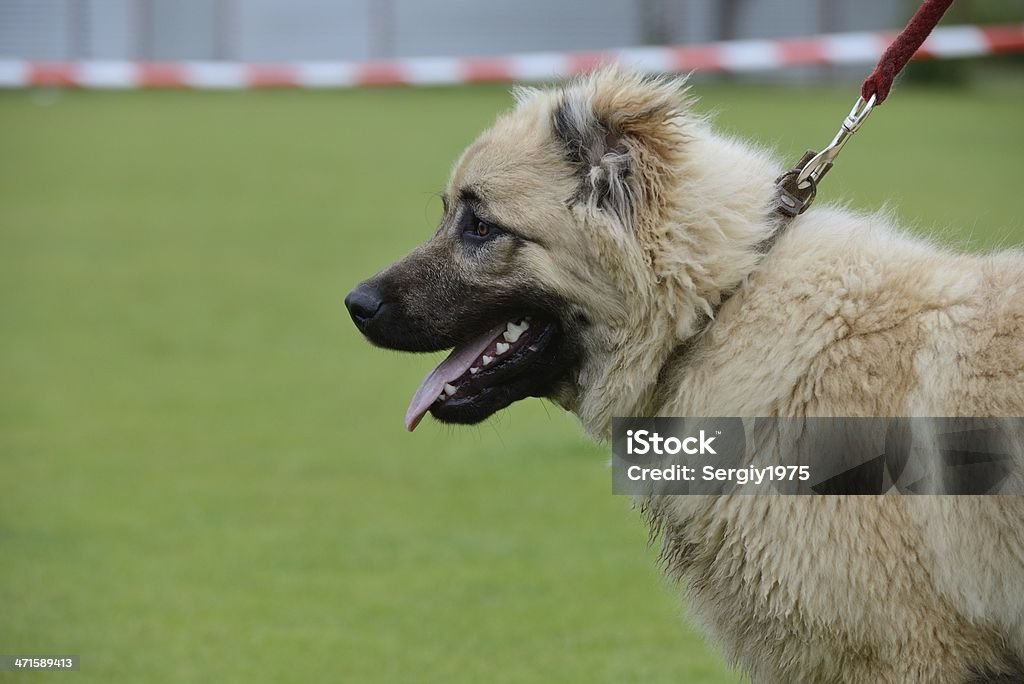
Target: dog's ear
622, 133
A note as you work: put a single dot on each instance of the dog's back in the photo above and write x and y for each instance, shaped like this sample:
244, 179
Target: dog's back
850, 317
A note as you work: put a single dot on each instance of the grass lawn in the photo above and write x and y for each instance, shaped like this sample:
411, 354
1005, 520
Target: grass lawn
203, 468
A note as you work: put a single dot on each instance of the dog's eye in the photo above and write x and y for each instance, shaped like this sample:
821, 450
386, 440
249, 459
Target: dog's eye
480, 230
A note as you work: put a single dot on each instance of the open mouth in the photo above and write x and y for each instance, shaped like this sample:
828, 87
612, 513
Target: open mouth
509, 362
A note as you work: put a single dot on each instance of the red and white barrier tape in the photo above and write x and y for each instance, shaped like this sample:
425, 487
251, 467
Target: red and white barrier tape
730, 56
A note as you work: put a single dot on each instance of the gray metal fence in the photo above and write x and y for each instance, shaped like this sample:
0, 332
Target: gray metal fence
271, 30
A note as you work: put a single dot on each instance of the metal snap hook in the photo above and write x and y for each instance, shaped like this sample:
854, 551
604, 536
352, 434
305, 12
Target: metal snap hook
821, 162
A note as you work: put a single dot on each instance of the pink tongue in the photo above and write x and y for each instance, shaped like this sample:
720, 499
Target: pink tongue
452, 368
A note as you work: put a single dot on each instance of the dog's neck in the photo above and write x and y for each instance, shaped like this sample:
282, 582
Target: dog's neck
699, 259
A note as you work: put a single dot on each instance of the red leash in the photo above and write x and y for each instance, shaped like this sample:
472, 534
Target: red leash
902, 49
798, 186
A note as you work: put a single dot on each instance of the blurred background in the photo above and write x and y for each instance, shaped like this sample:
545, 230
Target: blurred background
270, 30
203, 467
279, 30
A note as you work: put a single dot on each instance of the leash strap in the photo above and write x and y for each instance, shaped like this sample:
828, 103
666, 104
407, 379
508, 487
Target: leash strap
897, 55
797, 187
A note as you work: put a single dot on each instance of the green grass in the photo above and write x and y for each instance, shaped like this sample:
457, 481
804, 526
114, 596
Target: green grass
203, 468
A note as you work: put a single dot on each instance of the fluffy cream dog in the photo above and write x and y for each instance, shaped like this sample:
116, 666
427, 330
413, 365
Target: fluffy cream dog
601, 247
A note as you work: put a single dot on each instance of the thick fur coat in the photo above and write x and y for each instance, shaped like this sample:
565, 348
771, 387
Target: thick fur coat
847, 315
627, 220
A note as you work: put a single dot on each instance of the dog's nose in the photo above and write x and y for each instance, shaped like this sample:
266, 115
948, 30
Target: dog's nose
363, 303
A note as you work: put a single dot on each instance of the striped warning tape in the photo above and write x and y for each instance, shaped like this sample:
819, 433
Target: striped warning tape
728, 56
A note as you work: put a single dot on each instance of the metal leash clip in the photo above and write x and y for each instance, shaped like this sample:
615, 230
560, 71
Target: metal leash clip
820, 163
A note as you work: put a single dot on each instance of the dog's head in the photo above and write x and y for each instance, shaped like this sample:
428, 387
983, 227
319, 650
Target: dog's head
548, 269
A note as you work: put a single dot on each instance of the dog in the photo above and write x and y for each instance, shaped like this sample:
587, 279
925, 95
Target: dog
602, 246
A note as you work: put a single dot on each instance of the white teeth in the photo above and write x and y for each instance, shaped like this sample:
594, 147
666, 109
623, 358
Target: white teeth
449, 389
513, 331
474, 370
487, 359
501, 348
